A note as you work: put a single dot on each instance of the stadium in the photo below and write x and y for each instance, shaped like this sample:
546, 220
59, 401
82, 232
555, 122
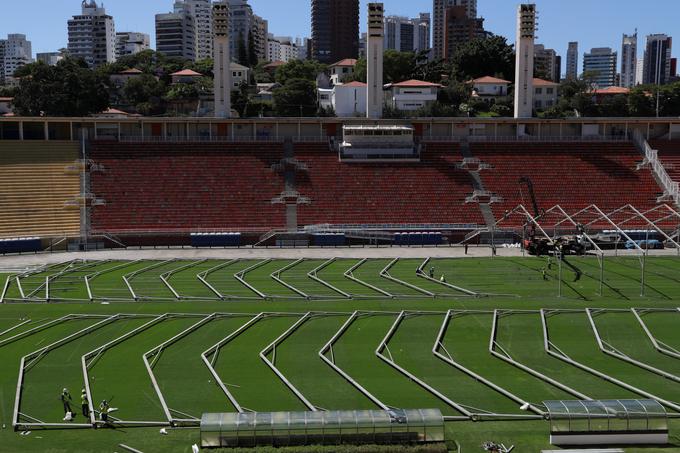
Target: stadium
460, 275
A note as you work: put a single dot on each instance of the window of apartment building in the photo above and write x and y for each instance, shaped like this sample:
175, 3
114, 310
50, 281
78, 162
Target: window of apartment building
539, 90
549, 90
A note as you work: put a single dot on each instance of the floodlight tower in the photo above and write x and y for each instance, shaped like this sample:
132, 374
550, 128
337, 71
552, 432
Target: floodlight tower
374, 61
524, 67
222, 59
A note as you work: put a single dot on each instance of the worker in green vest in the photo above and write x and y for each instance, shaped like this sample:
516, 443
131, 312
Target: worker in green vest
84, 403
66, 401
104, 411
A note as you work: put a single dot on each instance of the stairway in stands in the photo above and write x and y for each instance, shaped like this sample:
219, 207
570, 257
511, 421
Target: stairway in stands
478, 184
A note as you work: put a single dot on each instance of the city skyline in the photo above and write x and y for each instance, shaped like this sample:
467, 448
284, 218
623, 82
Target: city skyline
559, 23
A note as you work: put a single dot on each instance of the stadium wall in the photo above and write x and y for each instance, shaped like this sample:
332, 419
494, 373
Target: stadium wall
313, 129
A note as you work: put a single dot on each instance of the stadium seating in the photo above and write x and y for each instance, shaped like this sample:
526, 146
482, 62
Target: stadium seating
573, 175
34, 187
430, 192
669, 154
186, 187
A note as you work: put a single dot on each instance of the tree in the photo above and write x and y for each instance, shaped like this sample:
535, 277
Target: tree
240, 99
640, 103
298, 69
398, 66
70, 88
481, 57
145, 93
296, 98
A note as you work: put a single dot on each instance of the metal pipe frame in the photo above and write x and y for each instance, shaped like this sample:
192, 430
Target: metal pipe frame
164, 278
214, 350
658, 344
313, 274
383, 346
421, 273
90, 277
349, 273
610, 350
240, 276
276, 276
385, 273
32, 358
95, 354
504, 356
271, 348
439, 344
328, 348
50, 279
128, 277
204, 275
554, 351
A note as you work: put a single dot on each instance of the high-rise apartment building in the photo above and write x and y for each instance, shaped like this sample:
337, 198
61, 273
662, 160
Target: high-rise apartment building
260, 37
628, 60
657, 64
547, 64
49, 58
459, 28
201, 11
131, 42
407, 35
176, 33
92, 35
572, 61
15, 52
241, 23
601, 66
439, 9
335, 30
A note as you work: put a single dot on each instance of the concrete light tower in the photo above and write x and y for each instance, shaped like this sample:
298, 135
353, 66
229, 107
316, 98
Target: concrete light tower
222, 59
524, 67
374, 61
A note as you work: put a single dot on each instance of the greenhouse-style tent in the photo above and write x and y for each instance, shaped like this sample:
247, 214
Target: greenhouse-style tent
249, 429
607, 422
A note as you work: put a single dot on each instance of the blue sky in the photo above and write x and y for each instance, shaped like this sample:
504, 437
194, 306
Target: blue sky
594, 23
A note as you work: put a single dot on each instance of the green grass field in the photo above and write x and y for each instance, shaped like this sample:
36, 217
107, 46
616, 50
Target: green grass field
198, 320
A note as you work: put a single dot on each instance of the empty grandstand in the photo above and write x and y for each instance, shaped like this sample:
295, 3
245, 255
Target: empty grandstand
39, 186
165, 180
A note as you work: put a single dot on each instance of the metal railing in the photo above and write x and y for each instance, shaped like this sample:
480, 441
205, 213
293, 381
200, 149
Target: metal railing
671, 187
213, 139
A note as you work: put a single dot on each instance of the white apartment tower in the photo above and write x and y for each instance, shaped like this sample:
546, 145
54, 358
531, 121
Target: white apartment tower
201, 11
92, 35
131, 42
629, 60
222, 68
524, 71
572, 61
439, 8
407, 35
176, 33
374, 61
15, 52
